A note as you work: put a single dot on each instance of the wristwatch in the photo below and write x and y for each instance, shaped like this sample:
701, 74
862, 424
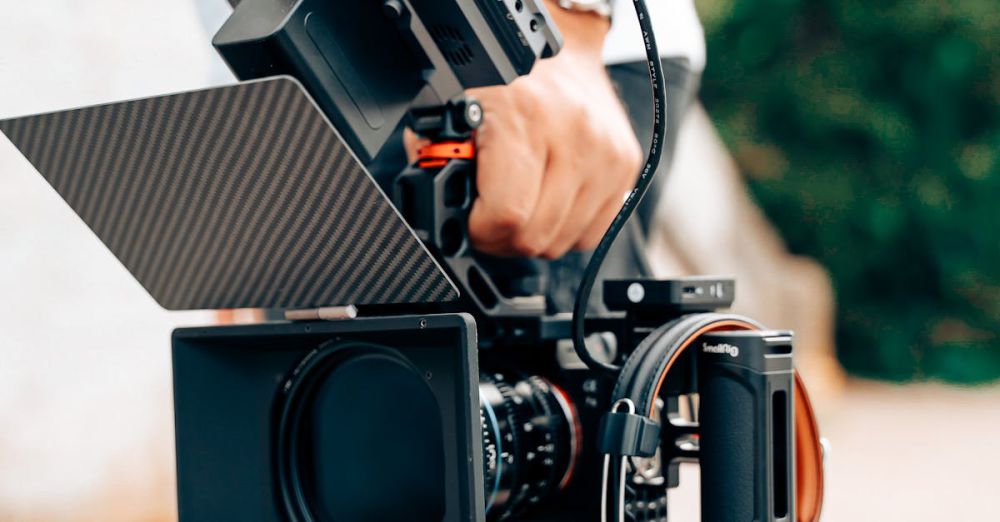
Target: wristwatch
600, 7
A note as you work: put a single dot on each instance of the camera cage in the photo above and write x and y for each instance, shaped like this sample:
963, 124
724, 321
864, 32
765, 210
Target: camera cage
256, 195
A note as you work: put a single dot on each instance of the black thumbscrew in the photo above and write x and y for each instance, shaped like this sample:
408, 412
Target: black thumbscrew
467, 114
473, 114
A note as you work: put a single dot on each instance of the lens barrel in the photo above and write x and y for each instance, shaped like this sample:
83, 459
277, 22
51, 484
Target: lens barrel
530, 442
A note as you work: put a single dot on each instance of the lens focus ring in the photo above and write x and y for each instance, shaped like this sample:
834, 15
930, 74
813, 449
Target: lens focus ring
530, 442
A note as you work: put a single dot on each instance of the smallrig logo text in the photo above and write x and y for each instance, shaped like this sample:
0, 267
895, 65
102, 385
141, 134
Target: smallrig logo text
728, 349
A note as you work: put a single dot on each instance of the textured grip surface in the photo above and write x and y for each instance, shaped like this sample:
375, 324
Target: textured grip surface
238, 196
729, 452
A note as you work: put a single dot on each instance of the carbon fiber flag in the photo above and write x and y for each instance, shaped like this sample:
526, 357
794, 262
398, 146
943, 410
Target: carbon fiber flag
241, 196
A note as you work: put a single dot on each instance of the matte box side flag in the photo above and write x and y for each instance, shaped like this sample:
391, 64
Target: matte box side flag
241, 196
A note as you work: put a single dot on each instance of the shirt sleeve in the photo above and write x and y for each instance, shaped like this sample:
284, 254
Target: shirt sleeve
678, 33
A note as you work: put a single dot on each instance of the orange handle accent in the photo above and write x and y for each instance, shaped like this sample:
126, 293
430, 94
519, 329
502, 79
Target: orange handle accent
808, 448
438, 154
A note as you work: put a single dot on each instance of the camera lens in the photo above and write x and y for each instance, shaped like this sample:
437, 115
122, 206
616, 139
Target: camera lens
530, 442
335, 439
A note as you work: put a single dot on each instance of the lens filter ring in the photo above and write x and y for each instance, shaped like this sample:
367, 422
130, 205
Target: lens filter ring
338, 448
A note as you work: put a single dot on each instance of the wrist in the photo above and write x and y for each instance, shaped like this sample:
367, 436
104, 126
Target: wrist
583, 32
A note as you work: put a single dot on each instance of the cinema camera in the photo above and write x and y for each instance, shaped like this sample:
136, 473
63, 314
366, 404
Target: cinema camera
410, 382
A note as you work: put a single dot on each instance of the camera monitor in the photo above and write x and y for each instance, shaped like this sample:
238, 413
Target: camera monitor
233, 197
368, 62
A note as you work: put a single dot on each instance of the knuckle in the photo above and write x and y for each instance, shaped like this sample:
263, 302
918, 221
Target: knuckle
629, 157
628, 150
511, 217
634, 151
488, 248
481, 237
526, 98
555, 253
588, 242
528, 245
636, 154
586, 127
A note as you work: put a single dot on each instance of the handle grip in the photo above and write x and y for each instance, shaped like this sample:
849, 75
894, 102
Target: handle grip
745, 386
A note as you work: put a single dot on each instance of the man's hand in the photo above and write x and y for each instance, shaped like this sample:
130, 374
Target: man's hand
555, 153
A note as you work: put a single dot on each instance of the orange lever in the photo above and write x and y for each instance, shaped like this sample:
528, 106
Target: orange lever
438, 154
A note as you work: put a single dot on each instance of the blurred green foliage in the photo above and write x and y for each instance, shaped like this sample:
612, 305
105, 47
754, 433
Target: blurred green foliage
870, 131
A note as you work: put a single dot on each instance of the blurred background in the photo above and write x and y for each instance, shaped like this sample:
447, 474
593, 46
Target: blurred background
867, 133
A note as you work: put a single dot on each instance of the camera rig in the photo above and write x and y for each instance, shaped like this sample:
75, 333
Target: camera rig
446, 392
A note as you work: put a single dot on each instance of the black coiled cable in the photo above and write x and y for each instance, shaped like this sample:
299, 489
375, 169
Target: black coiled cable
634, 197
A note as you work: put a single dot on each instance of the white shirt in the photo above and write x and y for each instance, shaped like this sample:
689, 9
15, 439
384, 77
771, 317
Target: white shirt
675, 23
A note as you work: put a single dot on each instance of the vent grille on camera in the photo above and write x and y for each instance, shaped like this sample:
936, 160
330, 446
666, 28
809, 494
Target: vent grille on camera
452, 44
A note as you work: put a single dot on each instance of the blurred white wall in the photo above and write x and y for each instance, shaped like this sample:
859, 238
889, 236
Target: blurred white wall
85, 409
